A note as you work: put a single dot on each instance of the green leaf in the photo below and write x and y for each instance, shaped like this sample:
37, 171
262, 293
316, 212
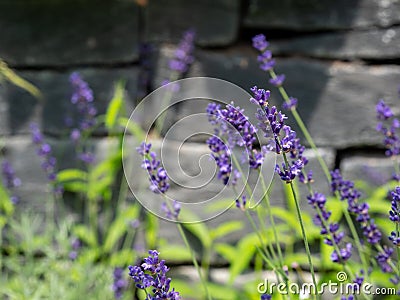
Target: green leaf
75, 187
6, 206
132, 128
245, 250
174, 253
115, 107
12, 77
226, 251
85, 235
119, 226
221, 292
199, 230
225, 229
72, 175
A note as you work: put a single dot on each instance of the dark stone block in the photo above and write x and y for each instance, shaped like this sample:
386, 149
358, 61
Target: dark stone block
321, 14
372, 169
336, 100
52, 111
376, 44
215, 22
59, 33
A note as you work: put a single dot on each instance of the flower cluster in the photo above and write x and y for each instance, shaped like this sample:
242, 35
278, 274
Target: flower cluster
391, 138
159, 181
233, 126
394, 215
82, 98
10, 180
44, 151
76, 244
183, 54
330, 230
272, 123
348, 192
119, 284
152, 274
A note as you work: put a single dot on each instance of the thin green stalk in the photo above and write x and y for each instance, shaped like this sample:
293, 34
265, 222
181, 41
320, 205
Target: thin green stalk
185, 240
323, 165
271, 218
304, 234
266, 259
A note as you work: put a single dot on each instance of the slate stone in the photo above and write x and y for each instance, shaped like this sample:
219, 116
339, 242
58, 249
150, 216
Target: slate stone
61, 33
34, 192
336, 100
374, 44
215, 22
20, 108
313, 15
373, 170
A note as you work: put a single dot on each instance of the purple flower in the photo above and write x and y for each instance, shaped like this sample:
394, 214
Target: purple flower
383, 259
76, 244
271, 122
347, 192
260, 42
344, 255
10, 180
291, 104
241, 203
49, 162
159, 182
183, 55
173, 212
82, 99
389, 130
278, 80
152, 273
119, 284
237, 130
383, 111
266, 297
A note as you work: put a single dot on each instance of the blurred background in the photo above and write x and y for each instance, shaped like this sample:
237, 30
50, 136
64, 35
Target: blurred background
339, 57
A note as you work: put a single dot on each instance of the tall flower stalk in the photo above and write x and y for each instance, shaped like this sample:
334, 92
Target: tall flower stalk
159, 184
267, 64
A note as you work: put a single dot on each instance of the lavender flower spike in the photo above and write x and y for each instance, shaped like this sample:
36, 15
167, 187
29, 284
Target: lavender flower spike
10, 180
153, 273
119, 284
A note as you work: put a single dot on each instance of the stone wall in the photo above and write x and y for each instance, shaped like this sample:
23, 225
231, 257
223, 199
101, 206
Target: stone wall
339, 57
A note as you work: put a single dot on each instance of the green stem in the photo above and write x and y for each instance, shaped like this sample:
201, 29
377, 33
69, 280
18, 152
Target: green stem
185, 240
304, 234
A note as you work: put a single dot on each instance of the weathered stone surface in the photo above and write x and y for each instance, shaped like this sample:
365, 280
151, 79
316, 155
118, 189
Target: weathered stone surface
215, 22
376, 44
321, 15
20, 108
60, 33
372, 169
34, 192
336, 100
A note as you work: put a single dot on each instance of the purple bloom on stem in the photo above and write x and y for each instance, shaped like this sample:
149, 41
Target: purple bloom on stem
292, 103
344, 255
260, 42
383, 259
383, 111
48, 161
10, 180
391, 138
152, 273
347, 192
266, 297
119, 284
241, 203
183, 55
173, 212
278, 80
